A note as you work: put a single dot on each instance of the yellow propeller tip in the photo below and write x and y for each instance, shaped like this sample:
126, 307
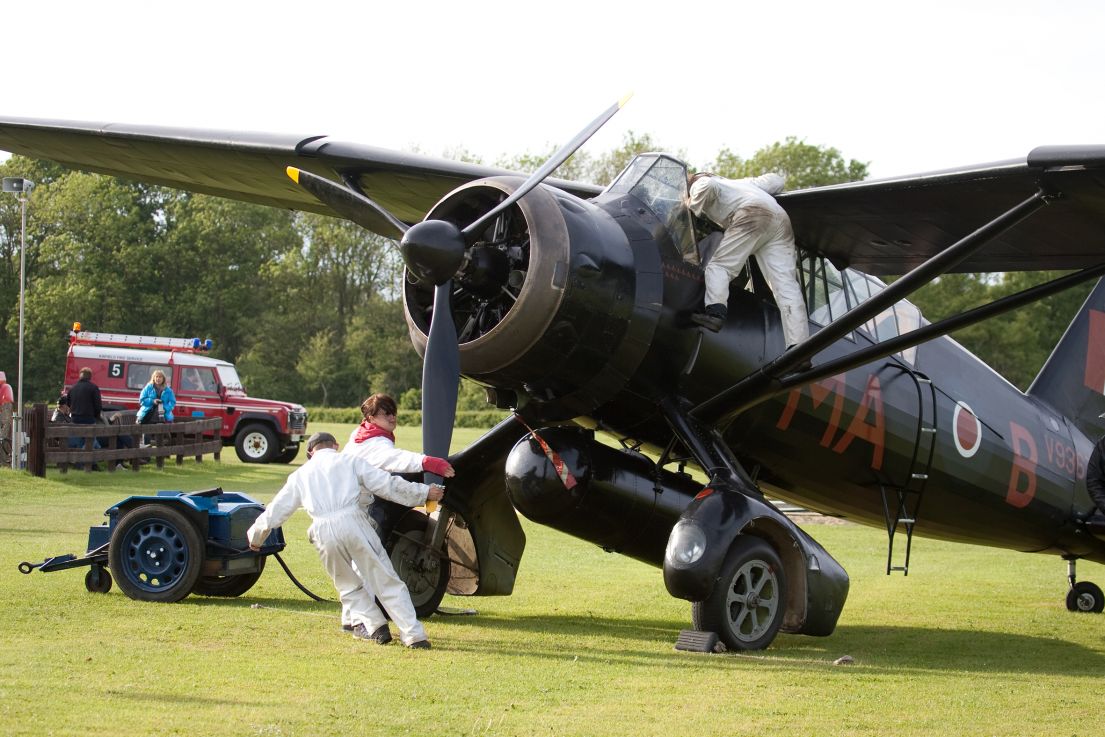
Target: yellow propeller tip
624, 100
293, 173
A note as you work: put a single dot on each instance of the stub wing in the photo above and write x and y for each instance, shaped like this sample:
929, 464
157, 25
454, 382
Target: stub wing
248, 166
890, 226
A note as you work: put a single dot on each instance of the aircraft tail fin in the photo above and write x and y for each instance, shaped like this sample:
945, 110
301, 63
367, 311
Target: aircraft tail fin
1072, 380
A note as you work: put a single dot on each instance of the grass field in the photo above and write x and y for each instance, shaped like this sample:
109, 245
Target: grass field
973, 642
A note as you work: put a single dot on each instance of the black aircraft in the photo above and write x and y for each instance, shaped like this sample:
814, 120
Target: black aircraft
571, 304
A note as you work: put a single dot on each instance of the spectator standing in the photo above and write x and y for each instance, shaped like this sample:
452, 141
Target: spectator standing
85, 405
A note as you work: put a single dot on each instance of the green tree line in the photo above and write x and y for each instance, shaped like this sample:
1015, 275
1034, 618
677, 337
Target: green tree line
309, 307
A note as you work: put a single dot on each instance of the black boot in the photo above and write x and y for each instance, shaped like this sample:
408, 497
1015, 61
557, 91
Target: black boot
712, 318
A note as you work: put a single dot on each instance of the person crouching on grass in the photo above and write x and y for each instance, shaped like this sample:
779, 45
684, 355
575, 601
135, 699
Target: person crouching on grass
335, 488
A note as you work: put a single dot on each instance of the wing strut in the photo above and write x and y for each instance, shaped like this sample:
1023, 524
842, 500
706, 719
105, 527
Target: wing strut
937, 329
764, 383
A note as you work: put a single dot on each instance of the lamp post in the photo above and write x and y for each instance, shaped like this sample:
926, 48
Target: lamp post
21, 188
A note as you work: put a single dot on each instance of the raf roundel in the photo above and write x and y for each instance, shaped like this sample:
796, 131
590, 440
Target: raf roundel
966, 429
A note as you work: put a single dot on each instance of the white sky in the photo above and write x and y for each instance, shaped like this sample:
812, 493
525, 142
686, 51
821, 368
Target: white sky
908, 87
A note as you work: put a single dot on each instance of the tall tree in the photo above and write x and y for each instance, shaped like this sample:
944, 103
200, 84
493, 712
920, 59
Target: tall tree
803, 164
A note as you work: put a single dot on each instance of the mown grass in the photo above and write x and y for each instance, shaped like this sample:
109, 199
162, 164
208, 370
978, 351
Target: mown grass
973, 642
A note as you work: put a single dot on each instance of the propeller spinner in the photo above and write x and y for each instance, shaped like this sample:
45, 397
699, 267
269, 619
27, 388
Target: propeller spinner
434, 252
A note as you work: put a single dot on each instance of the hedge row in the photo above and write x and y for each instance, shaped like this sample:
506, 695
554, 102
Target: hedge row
484, 418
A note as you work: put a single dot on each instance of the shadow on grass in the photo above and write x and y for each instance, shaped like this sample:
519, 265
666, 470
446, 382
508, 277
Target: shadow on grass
890, 648
179, 697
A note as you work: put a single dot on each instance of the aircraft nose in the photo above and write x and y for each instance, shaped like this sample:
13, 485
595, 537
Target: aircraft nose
433, 250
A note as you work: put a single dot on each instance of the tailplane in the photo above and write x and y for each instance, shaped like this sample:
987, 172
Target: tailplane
1073, 379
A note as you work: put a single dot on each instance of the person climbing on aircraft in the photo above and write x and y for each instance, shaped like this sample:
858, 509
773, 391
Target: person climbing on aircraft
755, 225
374, 440
334, 488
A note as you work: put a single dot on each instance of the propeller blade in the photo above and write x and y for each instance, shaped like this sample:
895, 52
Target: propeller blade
546, 169
440, 379
350, 204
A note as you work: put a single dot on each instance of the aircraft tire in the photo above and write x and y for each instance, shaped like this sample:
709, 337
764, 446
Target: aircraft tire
1085, 597
748, 602
426, 577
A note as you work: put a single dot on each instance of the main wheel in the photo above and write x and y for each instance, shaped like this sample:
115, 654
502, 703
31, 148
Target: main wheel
229, 586
747, 604
256, 443
156, 553
97, 580
288, 454
425, 574
1085, 597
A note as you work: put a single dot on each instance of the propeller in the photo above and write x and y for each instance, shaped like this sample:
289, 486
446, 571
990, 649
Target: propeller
434, 252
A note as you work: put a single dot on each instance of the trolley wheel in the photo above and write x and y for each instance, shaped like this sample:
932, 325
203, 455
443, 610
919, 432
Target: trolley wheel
1085, 597
228, 586
426, 576
156, 553
97, 580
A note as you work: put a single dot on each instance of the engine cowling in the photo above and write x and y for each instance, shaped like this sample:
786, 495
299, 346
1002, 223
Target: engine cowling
552, 303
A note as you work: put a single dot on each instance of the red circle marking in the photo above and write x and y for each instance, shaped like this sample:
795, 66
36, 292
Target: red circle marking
968, 430
966, 427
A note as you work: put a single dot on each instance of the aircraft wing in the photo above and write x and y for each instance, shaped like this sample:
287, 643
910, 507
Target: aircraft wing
890, 226
248, 166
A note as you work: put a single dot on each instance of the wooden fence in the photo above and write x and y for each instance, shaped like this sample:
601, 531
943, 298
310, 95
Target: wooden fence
48, 442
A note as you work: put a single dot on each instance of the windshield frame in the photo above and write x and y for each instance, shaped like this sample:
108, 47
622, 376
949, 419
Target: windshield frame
659, 182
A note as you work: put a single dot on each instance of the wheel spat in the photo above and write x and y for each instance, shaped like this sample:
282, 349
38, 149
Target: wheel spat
433, 251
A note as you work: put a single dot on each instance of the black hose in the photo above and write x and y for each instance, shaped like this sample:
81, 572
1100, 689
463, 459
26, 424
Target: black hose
301, 587
239, 551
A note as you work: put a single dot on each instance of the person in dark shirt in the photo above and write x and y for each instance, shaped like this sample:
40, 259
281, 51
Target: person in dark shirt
85, 406
84, 399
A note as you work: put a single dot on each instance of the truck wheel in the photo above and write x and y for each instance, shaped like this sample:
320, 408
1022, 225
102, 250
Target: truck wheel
747, 604
256, 443
155, 553
229, 586
288, 454
426, 576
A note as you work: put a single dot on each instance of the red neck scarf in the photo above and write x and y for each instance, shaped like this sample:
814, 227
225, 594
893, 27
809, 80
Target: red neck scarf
367, 431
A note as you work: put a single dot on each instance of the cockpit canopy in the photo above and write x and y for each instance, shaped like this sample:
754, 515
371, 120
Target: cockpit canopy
660, 182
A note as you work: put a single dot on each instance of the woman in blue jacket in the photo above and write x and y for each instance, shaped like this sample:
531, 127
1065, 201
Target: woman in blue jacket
155, 393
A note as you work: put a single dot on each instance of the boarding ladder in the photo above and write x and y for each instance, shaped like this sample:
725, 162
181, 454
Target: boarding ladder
902, 503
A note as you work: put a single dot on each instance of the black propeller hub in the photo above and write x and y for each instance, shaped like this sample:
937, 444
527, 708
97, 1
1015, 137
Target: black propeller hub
486, 272
433, 250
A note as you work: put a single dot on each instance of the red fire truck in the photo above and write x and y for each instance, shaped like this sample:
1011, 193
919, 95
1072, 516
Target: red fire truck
261, 430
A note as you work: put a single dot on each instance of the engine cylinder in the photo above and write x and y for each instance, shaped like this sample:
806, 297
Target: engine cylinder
620, 500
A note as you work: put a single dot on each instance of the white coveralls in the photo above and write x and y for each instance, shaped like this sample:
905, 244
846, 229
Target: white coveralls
335, 489
755, 225
381, 453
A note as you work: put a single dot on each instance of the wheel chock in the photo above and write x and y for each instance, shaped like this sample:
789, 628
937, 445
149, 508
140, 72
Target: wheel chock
694, 641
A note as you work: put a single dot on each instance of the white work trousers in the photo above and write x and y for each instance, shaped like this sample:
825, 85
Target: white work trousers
344, 538
767, 235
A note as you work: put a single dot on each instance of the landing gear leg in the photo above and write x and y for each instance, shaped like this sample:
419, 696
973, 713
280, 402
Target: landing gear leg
1083, 595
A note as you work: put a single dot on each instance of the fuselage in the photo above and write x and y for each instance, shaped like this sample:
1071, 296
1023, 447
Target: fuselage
593, 325
1006, 469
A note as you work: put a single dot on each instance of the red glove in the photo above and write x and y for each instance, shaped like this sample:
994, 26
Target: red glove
436, 466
